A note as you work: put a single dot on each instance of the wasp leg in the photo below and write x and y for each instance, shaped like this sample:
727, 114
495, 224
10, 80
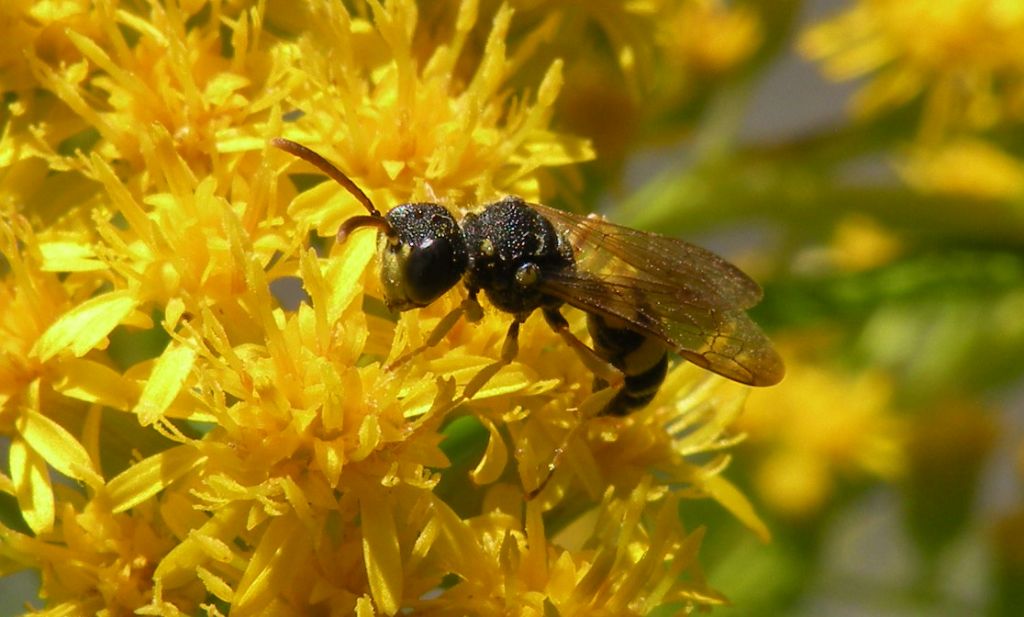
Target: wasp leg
509, 351
601, 368
556, 460
469, 308
603, 371
591, 407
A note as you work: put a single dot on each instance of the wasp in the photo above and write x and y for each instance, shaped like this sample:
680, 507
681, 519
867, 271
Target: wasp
644, 294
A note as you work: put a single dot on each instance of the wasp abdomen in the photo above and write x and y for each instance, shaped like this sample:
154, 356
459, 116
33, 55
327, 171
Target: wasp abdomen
642, 359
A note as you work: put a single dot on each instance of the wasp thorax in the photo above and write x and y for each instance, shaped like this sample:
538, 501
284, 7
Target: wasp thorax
511, 246
422, 257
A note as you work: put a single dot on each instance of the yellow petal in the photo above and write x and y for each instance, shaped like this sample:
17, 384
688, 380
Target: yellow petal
725, 493
121, 198
69, 257
491, 380
369, 438
151, 475
32, 486
345, 273
330, 459
381, 551
457, 541
93, 382
6, 485
83, 328
282, 555
223, 85
491, 466
393, 168
214, 547
58, 447
565, 151
229, 140
215, 584
172, 313
95, 53
297, 498
535, 561
364, 607
178, 567
165, 382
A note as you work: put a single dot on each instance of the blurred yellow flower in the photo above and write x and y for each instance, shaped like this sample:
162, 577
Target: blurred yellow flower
221, 453
963, 58
702, 36
629, 66
965, 167
816, 426
708, 37
666, 53
861, 243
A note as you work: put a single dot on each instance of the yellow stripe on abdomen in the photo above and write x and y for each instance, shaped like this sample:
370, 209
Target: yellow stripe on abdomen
642, 359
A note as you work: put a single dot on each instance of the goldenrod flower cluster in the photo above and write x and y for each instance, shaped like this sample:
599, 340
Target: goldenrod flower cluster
959, 64
820, 427
182, 438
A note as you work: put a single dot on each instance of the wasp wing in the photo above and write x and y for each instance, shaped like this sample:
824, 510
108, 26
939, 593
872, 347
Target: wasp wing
603, 246
688, 297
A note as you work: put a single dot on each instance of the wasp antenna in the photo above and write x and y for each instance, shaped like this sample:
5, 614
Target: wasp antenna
351, 224
304, 153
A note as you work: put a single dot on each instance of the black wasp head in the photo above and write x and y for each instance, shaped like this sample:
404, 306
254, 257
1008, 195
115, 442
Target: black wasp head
423, 256
422, 249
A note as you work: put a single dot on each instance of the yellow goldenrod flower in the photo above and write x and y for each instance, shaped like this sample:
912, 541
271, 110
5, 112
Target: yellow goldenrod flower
167, 67
405, 125
817, 425
281, 460
964, 58
609, 563
33, 300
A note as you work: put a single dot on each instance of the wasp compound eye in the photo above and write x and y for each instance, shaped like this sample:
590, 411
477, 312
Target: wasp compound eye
424, 257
